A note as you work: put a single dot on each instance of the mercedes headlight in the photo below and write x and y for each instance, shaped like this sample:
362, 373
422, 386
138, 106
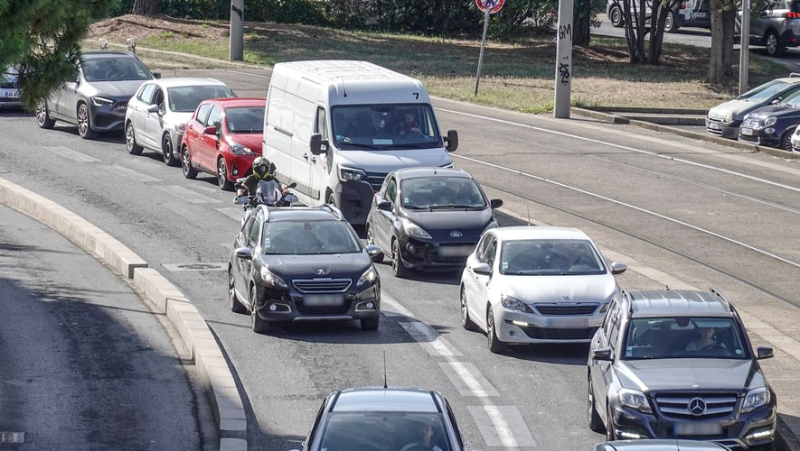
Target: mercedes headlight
634, 399
237, 148
729, 117
102, 101
514, 304
351, 174
770, 121
369, 276
415, 230
271, 279
755, 398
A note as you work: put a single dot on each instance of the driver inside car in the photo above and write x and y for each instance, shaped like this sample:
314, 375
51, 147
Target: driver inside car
426, 440
706, 341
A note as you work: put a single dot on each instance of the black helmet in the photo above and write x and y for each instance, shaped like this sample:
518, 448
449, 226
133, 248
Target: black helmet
262, 168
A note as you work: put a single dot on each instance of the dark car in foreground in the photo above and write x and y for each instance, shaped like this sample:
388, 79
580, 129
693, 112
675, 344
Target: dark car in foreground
773, 125
303, 264
384, 419
430, 218
658, 445
679, 364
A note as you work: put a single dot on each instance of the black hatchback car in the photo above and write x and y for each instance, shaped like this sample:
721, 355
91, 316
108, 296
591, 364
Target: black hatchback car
430, 218
773, 125
303, 264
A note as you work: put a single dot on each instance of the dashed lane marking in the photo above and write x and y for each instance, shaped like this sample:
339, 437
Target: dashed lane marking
394, 307
133, 175
235, 213
502, 426
70, 154
430, 339
187, 195
468, 379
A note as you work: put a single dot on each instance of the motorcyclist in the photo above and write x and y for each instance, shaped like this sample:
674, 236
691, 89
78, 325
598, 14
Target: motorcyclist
261, 174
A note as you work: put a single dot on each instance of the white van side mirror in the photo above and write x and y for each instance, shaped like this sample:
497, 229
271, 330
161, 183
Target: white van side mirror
451, 142
317, 145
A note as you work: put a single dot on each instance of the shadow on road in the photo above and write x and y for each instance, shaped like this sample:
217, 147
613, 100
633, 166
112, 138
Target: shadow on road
564, 354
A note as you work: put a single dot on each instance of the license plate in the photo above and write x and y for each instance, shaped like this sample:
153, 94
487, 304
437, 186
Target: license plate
699, 15
747, 131
713, 126
698, 429
323, 300
455, 251
12, 94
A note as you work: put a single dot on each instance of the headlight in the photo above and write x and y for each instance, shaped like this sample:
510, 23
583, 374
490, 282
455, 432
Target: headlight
729, 117
271, 279
369, 276
351, 174
770, 121
237, 148
180, 127
634, 399
102, 101
755, 398
415, 230
514, 304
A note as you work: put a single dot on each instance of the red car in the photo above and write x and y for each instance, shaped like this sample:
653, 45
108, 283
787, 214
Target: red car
223, 137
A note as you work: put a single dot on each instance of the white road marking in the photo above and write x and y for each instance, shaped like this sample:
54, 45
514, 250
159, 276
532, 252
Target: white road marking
73, 155
235, 213
187, 195
133, 175
501, 426
430, 340
468, 379
245, 73
394, 307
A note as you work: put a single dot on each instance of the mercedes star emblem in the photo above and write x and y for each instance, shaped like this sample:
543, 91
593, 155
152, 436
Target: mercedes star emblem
697, 407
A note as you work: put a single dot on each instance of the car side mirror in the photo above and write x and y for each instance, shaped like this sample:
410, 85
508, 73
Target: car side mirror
765, 352
776, 101
317, 145
602, 354
385, 205
152, 108
210, 130
618, 268
496, 203
292, 185
375, 253
482, 269
451, 142
156, 75
244, 253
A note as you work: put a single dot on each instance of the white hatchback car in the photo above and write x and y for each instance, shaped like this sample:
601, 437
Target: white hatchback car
536, 285
157, 114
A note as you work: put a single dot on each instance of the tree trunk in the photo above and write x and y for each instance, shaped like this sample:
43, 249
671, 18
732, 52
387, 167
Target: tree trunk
720, 63
145, 7
582, 23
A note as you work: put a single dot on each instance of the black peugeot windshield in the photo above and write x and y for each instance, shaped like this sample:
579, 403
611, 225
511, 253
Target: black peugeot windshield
385, 127
309, 238
379, 431
684, 337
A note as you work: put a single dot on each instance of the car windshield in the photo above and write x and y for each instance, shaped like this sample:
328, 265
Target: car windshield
310, 237
764, 92
384, 431
684, 337
385, 127
442, 193
245, 119
792, 100
185, 99
112, 69
550, 257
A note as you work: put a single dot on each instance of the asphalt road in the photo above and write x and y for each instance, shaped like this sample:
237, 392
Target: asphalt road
689, 212
84, 364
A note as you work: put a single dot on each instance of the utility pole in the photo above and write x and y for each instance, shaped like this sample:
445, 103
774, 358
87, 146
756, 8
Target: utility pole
744, 47
563, 59
237, 30
483, 45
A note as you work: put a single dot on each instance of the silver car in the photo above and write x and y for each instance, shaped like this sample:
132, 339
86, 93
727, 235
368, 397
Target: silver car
97, 99
157, 114
775, 28
9, 92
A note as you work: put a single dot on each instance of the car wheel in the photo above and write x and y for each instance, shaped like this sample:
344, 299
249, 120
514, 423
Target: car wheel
772, 44
331, 200
85, 122
466, 322
371, 323
669, 24
786, 142
43, 116
186, 164
371, 240
398, 269
495, 345
130, 140
259, 325
615, 16
595, 423
236, 305
222, 175
610, 435
168, 151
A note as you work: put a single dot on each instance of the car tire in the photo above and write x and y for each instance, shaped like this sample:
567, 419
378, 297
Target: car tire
615, 17
610, 435
236, 304
371, 323
186, 164
772, 44
398, 268
670, 26
85, 122
331, 200
595, 423
371, 240
259, 325
130, 140
495, 345
43, 117
466, 321
786, 141
222, 175
168, 150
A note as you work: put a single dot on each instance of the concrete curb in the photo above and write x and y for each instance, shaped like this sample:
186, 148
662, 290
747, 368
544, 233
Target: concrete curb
636, 109
166, 299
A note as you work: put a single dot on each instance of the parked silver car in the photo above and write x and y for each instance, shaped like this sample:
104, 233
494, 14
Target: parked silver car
157, 114
97, 99
9, 91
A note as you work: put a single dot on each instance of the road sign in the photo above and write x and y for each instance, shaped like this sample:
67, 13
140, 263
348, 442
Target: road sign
490, 6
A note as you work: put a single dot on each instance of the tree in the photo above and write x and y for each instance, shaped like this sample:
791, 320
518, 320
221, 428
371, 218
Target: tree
720, 63
145, 7
640, 20
43, 39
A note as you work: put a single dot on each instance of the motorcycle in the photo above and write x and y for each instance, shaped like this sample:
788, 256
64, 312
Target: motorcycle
268, 194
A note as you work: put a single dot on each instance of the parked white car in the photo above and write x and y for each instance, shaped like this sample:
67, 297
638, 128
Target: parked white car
536, 285
9, 91
157, 114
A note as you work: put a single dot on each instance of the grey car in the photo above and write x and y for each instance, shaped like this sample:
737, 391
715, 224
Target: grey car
658, 445
775, 28
97, 99
9, 91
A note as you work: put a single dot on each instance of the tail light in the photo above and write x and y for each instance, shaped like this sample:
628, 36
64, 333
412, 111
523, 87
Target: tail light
791, 15
683, 5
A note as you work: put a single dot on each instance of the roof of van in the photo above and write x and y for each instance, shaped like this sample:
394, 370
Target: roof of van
335, 70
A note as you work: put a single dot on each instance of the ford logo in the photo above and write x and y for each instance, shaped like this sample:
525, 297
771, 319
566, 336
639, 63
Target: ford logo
697, 407
455, 234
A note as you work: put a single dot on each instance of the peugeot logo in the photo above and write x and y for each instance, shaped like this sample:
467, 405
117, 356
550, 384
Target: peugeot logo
322, 272
565, 298
455, 234
697, 407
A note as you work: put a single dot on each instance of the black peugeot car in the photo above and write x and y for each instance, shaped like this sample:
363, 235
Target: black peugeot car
303, 264
678, 364
773, 125
430, 218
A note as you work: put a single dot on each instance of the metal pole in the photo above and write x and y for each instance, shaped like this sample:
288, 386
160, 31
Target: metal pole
744, 47
237, 30
483, 44
563, 60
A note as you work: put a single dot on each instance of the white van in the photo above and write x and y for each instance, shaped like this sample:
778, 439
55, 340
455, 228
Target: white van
336, 128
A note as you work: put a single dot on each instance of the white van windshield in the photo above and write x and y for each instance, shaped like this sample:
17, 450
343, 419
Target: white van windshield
383, 127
